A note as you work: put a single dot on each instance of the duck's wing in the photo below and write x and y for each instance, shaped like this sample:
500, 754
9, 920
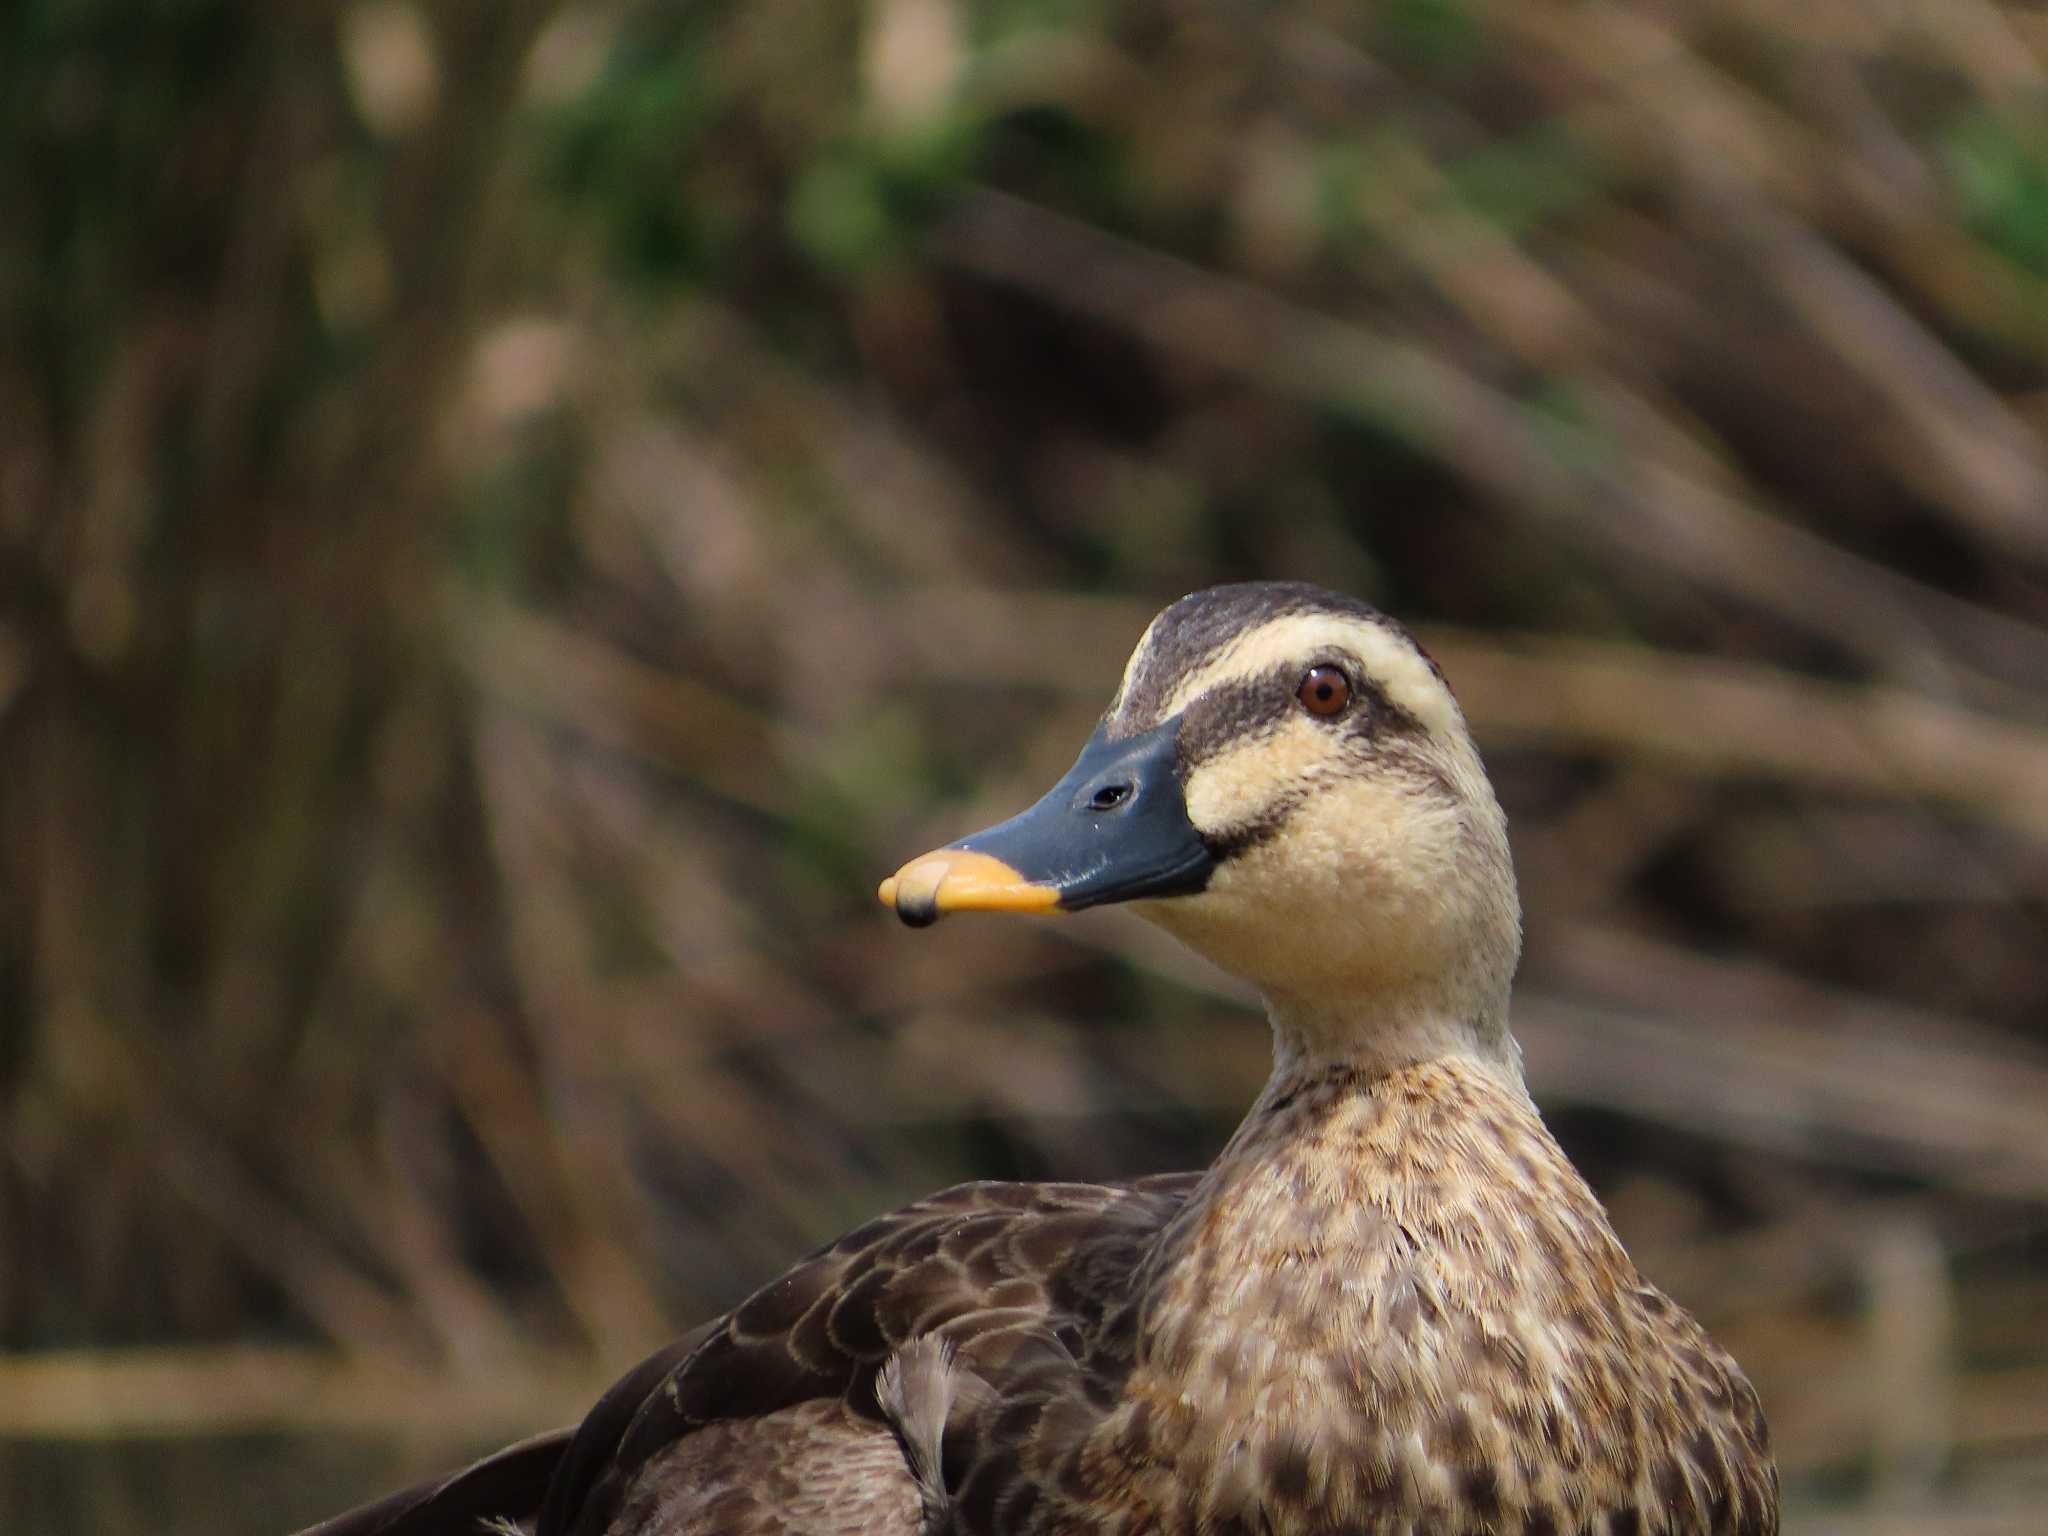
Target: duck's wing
510, 1486
767, 1419
775, 1410
515, 1478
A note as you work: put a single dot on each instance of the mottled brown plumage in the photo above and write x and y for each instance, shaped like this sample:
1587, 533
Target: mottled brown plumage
1390, 1305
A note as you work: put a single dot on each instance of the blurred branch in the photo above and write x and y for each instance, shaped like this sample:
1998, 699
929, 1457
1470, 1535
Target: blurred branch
1660, 509
1745, 1052
1952, 434
279, 1243
1235, 328
246, 1389
530, 664
1724, 717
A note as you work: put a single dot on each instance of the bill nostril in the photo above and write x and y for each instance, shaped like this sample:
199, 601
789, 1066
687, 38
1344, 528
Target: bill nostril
1109, 797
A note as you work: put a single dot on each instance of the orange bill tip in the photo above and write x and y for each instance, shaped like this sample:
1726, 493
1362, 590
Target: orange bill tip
956, 880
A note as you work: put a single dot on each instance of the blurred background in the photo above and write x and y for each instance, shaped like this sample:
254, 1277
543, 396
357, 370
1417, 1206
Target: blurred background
514, 515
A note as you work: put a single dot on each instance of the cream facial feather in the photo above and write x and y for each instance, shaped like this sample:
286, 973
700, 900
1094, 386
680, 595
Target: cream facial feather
1368, 874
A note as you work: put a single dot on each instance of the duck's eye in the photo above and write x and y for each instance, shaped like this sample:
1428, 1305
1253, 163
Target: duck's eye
1324, 691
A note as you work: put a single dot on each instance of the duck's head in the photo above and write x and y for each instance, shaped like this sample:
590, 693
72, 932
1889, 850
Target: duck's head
1285, 783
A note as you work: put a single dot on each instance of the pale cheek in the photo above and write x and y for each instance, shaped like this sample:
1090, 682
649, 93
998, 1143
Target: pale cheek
1366, 876
1240, 787
1336, 898
1367, 845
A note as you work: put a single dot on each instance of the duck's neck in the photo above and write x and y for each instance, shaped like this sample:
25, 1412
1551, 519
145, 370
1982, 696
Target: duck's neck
1368, 1201
1313, 1038
1389, 1275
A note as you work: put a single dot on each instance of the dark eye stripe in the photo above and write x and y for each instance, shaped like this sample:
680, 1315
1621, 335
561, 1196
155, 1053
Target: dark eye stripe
1191, 633
1237, 711
1248, 707
1233, 841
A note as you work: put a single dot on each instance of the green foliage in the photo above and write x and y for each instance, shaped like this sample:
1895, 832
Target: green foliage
1523, 184
1437, 34
1998, 163
864, 201
617, 155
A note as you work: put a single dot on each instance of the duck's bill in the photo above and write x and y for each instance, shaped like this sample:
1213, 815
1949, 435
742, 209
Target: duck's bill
1115, 828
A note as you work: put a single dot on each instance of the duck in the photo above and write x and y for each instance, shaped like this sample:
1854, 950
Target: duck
1390, 1304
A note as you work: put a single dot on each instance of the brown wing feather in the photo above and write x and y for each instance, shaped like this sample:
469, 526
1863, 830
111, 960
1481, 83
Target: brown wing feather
588, 1454
506, 1485
817, 1469
1013, 1276
515, 1485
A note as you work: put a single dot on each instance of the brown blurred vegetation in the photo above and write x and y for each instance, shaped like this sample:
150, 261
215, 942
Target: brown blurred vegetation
512, 516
